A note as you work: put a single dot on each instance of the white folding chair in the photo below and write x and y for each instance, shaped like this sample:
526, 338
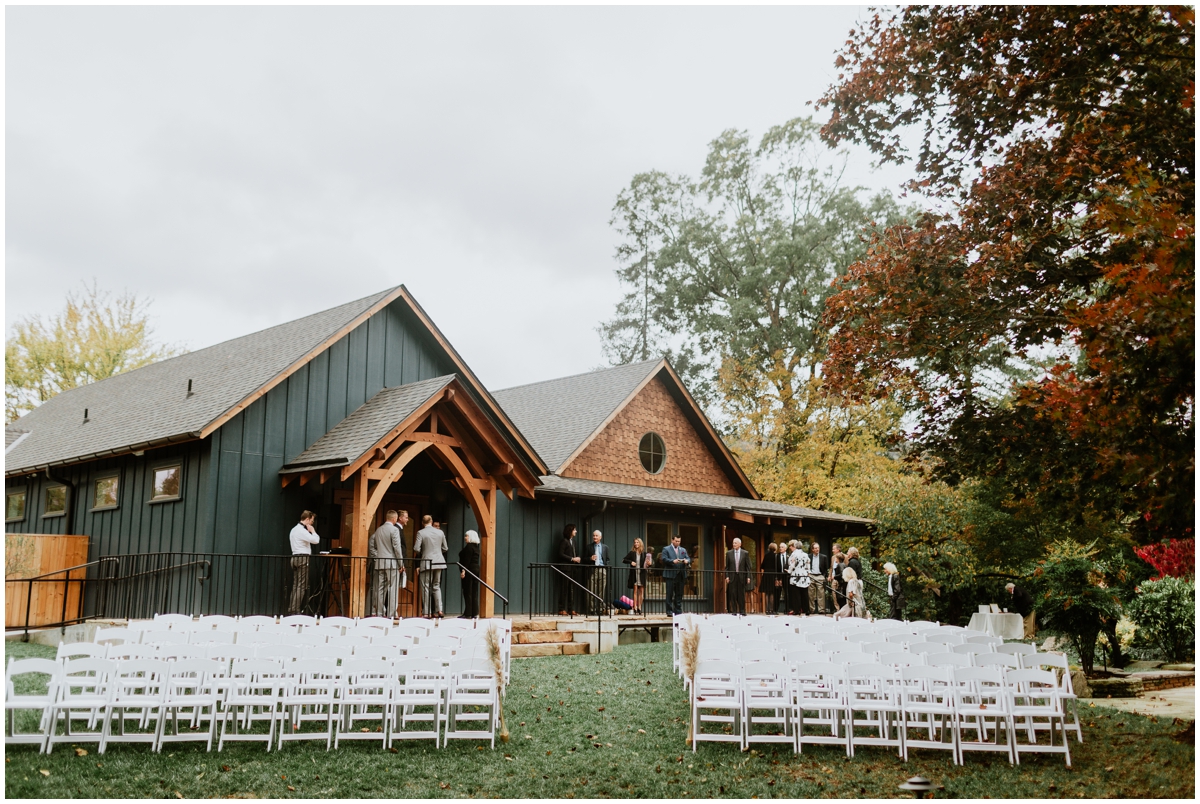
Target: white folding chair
226, 653
902, 659
947, 660
171, 653
1037, 704
870, 692
996, 660
927, 704
27, 674
767, 700
927, 648
334, 652
306, 638
128, 651
182, 621
819, 690
472, 687
971, 648
283, 653
309, 696
1016, 649
79, 650
158, 635
366, 693
420, 697
252, 696
215, 622
717, 699
115, 636
255, 621
1066, 687
303, 620
981, 703
83, 695
984, 639
258, 638
212, 637
136, 691
759, 654
191, 688
336, 622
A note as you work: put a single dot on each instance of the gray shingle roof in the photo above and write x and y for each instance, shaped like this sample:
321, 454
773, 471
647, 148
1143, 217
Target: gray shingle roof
363, 428
150, 405
558, 415
600, 489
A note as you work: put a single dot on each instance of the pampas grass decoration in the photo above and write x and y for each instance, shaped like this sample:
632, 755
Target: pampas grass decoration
689, 652
493, 643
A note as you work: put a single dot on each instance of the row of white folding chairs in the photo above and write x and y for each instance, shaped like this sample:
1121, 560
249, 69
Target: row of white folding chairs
227, 653
98, 694
299, 620
315, 636
739, 697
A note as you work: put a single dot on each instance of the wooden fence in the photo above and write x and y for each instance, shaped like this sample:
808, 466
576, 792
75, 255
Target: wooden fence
27, 555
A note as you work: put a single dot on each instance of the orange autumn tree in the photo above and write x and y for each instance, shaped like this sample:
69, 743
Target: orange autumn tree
1042, 311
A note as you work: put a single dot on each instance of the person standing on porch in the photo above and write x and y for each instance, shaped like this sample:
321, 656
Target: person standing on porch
737, 573
818, 569
798, 578
302, 537
386, 547
468, 560
767, 590
570, 561
675, 560
430, 546
598, 582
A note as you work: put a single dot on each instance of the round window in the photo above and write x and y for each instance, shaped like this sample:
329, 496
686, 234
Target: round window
653, 453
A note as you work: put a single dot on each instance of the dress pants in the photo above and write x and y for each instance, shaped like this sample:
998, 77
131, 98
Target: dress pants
387, 590
735, 594
299, 583
896, 608
816, 594
431, 591
797, 599
598, 584
674, 595
566, 589
470, 591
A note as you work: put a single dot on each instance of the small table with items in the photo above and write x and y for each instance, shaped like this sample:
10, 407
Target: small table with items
1007, 626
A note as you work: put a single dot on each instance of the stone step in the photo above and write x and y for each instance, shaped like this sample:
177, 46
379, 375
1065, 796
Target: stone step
549, 649
537, 637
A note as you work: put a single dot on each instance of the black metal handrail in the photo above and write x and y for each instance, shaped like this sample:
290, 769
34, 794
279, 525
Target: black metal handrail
601, 606
490, 588
66, 581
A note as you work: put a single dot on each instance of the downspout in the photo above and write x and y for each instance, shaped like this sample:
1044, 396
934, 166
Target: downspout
587, 520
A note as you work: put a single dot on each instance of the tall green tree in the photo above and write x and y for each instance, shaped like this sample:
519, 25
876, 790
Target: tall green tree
94, 337
1042, 312
731, 271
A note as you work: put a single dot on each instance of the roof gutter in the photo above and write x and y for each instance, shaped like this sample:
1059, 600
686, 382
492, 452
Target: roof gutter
107, 453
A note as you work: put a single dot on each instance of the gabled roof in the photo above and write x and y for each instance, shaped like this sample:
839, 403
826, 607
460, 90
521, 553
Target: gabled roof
603, 490
151, 407
354, 435
562, 417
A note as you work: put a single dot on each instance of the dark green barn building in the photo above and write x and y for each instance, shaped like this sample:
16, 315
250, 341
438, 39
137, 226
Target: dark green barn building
365, 407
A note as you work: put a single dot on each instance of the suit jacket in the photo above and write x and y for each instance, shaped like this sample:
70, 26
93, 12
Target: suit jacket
823, 563
667, 560
605, 555
742, 574
855, 565
566, 551
431, 546
468, 557
385, 544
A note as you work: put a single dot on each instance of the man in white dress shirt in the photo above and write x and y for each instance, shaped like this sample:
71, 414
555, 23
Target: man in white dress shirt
302, 537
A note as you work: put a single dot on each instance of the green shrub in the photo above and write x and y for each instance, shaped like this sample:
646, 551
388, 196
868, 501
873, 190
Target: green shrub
1165, 613
1073, 597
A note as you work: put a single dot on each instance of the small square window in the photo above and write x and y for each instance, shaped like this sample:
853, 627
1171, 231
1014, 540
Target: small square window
56, 501
166, 483
104, 493
14, 509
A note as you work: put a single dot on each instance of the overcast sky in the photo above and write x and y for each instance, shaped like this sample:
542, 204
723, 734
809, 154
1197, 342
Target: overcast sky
246, 166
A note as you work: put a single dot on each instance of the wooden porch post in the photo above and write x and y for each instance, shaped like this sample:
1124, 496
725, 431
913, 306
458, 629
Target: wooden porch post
487, 601
358, 547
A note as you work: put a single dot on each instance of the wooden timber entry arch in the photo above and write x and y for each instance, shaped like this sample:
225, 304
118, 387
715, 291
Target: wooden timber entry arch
454, 433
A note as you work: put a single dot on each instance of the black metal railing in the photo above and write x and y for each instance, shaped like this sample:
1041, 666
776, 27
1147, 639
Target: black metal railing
48, 581
558, 589
142, 585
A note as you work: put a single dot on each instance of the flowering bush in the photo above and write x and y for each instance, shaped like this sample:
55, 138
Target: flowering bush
1175, 558
1165, 613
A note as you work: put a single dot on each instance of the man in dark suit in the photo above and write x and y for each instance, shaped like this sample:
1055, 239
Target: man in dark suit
674, 560
783, 577
568, 561
737, 574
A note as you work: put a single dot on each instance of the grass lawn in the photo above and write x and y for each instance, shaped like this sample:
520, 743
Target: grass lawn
604, 726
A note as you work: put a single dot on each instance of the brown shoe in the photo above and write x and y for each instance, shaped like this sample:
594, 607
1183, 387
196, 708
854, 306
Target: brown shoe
562, 614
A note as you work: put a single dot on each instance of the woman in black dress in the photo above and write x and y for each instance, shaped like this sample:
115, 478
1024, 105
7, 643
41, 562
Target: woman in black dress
638, 561
468, 559
766, 581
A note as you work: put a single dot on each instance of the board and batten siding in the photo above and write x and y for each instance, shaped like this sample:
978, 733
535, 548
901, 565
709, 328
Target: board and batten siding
252, 511
135, 525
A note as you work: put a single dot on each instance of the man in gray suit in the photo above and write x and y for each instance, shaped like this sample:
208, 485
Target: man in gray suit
430, 547
386, 547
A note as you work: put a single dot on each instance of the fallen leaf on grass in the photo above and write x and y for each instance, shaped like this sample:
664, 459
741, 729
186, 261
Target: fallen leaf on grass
394, 750
601, 709
291, 788
225, 768
81, 752
444, 785
44, 772
178, 794
641, 731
